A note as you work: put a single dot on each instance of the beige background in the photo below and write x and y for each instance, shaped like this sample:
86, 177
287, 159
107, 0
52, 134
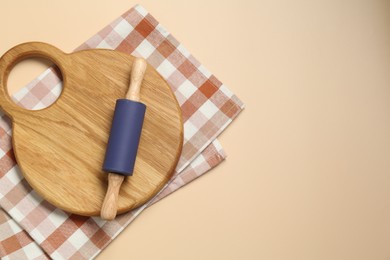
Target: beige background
308, 172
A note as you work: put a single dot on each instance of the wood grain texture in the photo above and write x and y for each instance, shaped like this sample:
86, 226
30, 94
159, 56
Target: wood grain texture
60, 149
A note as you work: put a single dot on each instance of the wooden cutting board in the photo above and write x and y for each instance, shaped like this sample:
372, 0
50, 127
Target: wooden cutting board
60, 149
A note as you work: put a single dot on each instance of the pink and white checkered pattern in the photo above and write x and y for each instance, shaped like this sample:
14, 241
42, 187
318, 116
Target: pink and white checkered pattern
38, 228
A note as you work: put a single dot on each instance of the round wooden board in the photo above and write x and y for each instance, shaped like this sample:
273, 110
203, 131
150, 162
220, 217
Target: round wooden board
60, 149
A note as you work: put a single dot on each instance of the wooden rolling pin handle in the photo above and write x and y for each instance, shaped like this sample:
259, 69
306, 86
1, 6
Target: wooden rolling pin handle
137, 74
110, 203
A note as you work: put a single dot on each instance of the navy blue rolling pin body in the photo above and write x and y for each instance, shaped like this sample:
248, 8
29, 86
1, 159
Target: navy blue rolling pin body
124, 137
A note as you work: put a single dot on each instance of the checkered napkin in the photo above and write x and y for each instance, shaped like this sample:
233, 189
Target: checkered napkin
31, 227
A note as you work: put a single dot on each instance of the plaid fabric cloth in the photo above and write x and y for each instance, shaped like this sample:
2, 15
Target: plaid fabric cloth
207, 107
15, 242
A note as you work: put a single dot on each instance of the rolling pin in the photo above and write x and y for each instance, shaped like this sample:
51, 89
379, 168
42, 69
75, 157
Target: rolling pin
124, 138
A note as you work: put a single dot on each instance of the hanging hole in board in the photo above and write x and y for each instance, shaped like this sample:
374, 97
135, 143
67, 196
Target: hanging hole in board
42, 78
